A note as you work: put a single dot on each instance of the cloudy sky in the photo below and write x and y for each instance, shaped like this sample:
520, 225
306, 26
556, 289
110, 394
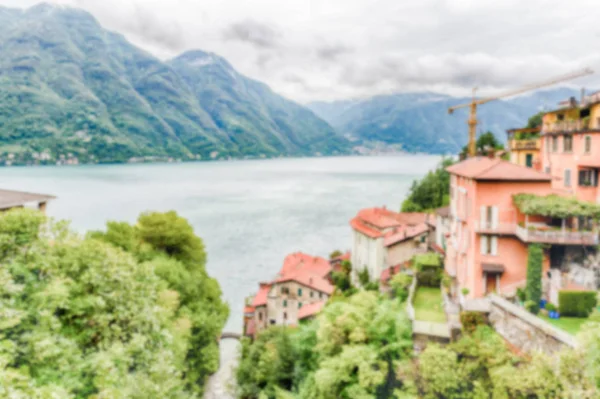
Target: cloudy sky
339, 49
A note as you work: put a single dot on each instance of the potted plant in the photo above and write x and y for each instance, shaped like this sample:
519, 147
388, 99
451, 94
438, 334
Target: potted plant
551, 310
465, 291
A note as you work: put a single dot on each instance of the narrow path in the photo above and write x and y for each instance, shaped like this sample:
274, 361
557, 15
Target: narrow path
220, 385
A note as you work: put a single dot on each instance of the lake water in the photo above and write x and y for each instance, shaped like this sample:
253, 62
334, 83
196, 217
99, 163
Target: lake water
251, 214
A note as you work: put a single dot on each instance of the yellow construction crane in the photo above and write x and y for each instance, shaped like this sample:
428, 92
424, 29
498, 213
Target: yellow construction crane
472, 122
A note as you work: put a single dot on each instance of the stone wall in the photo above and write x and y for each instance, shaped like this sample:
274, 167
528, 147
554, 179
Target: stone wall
524, 330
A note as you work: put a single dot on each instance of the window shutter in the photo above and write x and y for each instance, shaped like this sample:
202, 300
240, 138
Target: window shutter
484, 244
494, 245
482, 217
494, 217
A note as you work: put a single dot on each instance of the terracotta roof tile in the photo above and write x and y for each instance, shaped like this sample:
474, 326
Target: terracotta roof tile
10, 199
301, 261
484, 168
261, 297
404, 233
372, 221
310, 310
309, 280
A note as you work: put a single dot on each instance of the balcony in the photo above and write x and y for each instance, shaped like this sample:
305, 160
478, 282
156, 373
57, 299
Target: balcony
548, 235
566, 126
499, 229
531, 144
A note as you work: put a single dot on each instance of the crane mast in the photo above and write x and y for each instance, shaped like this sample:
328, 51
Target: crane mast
472, 121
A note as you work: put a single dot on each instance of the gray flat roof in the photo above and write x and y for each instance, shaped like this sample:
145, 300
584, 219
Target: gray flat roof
11, 199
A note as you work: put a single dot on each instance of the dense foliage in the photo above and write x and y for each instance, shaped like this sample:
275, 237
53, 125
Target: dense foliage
533, 289
82, 318
485, 142
555, 206
577, 303
431, 192
359, 348
71, 90
351, 351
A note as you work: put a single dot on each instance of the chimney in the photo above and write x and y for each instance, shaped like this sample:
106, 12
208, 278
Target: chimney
582, 95
572, 102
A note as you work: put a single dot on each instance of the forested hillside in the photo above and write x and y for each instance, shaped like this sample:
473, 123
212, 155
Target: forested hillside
72, 91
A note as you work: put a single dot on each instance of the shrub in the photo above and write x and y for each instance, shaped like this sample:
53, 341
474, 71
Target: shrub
400, 284
427, 261
550, 307
577, 303
534, 277
429, 278
465, 291
532, 307
363, 277
446, 281
471, 320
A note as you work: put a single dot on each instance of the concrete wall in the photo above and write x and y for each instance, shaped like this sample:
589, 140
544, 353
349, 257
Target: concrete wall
524, 330
367, 253
404, 251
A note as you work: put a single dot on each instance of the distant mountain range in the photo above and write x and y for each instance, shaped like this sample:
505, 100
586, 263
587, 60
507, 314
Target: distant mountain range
71, 91
419, 122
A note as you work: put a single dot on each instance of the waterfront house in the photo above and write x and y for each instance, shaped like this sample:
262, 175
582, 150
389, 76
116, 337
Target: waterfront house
10, 199
303, 281
384, 239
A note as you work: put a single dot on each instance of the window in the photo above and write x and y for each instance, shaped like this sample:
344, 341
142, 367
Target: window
547, 169
311, 294
284, 315
567, 143
299, 291
489, 245
560, 117
529, 160
272, 321
299, 305
489, 217
285, 290
554, 144
260, 316
320, 295
588, 144
567, 177
285, 303
588, 178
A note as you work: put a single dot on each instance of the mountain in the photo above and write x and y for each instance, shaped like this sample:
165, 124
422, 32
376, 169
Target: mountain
420, 121
71, 90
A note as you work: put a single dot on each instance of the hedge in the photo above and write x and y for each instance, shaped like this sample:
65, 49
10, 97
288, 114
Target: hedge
577, 303
430, 278
430, 260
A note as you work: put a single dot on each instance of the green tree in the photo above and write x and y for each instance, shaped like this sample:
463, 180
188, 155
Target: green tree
81, 318
535, 120
431, 192
533, 289
167, 243
485, 142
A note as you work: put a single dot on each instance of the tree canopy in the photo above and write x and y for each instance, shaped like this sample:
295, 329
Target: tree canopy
109, 315
486, 141
555, 206
431, 192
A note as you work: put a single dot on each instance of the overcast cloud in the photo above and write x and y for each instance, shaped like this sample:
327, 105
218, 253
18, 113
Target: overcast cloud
337, 49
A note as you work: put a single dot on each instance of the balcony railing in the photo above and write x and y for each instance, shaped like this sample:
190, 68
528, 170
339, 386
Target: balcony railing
533, 144
566, 126
557, 236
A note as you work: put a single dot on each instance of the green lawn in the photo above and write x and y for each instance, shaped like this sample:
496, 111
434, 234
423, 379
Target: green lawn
568, 324
428, 305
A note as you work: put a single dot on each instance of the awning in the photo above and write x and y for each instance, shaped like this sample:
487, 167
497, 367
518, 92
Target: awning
492, 268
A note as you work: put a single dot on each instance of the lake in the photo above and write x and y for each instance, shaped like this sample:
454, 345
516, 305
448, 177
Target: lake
250, 214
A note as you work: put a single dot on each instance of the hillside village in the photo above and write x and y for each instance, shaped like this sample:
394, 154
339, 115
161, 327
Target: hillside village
514, 221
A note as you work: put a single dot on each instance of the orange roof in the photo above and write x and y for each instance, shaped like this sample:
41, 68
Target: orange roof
307, 279
249, 309
371, 221
404, 233
483, 168
310, 310
261, 297
301, 261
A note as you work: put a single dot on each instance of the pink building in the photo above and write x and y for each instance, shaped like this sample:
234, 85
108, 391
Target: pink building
490, 231
484, 253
